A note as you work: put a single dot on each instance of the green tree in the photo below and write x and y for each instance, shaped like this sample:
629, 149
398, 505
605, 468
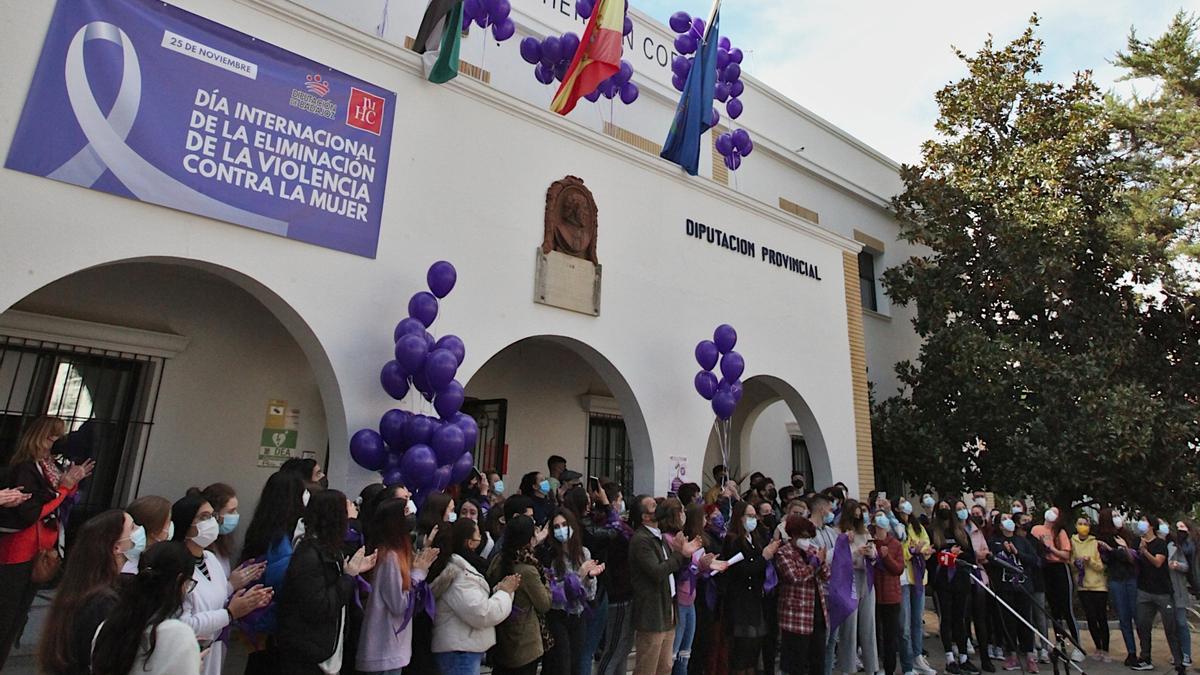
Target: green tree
1046, 366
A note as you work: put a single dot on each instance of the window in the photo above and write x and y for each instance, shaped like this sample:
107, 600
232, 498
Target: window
490, 449
608, 454
801, 461
866, 280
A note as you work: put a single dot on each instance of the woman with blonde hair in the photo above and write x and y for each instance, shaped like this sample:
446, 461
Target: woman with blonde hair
30, 530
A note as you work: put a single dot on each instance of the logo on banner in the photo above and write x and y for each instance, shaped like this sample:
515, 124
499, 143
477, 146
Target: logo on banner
365, 111
314, 84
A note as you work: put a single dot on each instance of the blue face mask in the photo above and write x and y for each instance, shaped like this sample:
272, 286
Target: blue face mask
452, 517
1164, 529
138, 537
229, 523
928, 502
751, 524
881, 521
1143, 527
1008, 525
828, 518
562, 534
962, 514
498, 487
544, 486
906, 508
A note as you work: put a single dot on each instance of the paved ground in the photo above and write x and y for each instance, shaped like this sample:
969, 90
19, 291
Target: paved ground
22, 660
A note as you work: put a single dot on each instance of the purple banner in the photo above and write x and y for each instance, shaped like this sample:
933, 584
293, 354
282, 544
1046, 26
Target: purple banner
143, 100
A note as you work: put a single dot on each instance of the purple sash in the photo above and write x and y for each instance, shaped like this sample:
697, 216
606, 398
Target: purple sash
419, 595
918, 564
361, 590
1079, 572
772, 579
870, 568
842, 598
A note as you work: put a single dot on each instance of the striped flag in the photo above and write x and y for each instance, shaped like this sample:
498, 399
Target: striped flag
438, 39
693, 115
597, 58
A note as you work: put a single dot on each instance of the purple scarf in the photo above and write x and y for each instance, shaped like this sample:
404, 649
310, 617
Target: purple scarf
843, 599
420, 594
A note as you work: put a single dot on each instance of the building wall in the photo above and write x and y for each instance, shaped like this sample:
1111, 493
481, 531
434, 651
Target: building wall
214, 394
770, 447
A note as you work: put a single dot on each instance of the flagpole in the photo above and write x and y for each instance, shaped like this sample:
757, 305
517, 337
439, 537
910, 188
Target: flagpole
711, 13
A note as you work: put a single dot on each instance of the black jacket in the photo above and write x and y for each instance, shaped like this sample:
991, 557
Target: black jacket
314, 593
28, 477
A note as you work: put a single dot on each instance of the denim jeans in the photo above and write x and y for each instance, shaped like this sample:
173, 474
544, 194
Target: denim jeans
912, 638
1123, 596
458, 663
1185, 634
685, 632
593, 634
831, 643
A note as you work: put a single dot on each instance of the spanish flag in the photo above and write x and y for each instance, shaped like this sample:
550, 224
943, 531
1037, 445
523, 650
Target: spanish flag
598, 56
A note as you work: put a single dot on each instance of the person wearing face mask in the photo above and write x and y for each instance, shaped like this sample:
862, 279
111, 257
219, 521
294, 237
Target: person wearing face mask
981, 601
152, 514
1093, 585
216, 601
1057, 575
470, 510
1155, 593
803, 604
889, 567
571, 574
742, 586
916, 550
858, 630
495, 492
1014, 585
795, 507
87, 592
1181, 558
952, 585
1112, 540
825, 539
537, 487
224, 501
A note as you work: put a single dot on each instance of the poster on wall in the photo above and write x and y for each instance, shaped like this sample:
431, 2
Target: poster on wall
679, 467
280, 430
140, 99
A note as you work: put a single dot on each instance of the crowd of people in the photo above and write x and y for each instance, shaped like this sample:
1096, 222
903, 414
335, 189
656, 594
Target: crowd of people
573, 576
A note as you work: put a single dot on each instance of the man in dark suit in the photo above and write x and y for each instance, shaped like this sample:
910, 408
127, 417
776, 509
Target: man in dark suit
652, 567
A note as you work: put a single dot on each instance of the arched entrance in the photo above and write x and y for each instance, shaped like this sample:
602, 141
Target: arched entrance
554, 395
166, 369
773, 431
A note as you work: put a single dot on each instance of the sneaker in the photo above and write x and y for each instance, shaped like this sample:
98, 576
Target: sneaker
921, 665
970, 668
1011, 663
1077, 656
1187, 662
985, 664
1031, 666
1043, 656
1131, 661
1144, 665
952, 668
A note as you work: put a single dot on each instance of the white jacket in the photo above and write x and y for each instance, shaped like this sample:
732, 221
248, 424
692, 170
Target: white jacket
467, 610
175, 651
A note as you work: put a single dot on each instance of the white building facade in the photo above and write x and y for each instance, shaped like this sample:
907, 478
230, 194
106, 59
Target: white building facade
180, 332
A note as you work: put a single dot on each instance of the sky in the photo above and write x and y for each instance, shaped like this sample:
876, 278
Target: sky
871, 68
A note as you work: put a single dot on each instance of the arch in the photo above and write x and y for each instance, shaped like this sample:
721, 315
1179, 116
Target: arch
635, 422
761, 392
299, 329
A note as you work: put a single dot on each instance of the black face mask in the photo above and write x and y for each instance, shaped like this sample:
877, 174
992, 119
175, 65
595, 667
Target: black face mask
798, 484
771, 494
978, 520
770, 521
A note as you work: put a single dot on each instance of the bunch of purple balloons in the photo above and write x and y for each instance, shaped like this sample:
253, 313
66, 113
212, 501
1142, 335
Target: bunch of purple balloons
425, 453
552, 56
729, 85
726, 392
494, 13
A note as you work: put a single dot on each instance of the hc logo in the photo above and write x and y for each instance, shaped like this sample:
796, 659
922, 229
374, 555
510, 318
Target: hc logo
365, 111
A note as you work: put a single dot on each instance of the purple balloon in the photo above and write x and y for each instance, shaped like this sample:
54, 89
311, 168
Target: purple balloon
706, 354
441, 277
732, 365
391, 427
724, 144
678, 81
449, 400
504, 29
721, 92
470, 428
736, 88
498, 9
733, 161
724, 43
440, 368
706, 384
722, 58
423, 307
697, 27
722, 404
686, 43
735, 55
543, 74
462, 467
394, 477
368, 449
732, 72
531, 50
481, 19
473, 8
394, 380
583, 8
410, 352
747, 149
627, 26
737, 389
492, 6
419, 429
392, 462
594, 96
551, 50
421, 384
625, 72
568, 44
454, 345
408, 326
560, 71
725, 337
715, 119
734, 108
608, 88
681, 65
741, 140
447, 443
629, 93
418, 466
441, 478
680, 22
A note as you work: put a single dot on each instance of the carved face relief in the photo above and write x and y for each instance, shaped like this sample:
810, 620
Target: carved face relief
570, 220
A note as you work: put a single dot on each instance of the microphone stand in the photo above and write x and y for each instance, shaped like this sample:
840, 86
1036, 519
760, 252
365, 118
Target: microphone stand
1058, 652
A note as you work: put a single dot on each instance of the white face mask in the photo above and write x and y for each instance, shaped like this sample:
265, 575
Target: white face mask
803, 543
928, 502
981, 501
498, 487
1118, 522
751, 524
452, 517
1050, 515
206, 533
410, 508
305, 497
562, 534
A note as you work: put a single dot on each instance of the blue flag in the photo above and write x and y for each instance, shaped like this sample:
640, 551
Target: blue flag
693, 115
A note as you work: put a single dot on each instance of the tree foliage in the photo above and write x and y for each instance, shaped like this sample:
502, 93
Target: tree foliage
1047, 367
